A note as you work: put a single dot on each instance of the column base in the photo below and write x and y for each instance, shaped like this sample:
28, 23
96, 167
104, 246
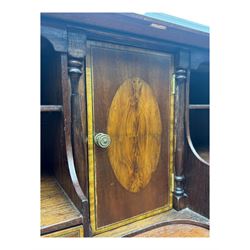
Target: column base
180, 202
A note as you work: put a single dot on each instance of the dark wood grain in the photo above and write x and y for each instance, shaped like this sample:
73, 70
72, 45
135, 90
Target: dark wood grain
76, 66
135, 25
57, 36
76, 72
112, 67
93, 33
197, 183
76, 43
67, 135
120, 38
180, 197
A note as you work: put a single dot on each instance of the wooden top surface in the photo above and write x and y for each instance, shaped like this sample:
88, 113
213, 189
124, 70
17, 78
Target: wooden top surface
57, 211
136, 24
185, 216
178, 230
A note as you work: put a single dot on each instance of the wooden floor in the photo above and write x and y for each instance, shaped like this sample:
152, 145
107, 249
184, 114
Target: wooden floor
57, 211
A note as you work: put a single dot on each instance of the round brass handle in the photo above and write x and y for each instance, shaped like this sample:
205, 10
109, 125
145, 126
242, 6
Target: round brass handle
102, 140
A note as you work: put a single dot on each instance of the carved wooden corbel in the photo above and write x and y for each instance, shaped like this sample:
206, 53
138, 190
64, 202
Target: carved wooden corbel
56, 36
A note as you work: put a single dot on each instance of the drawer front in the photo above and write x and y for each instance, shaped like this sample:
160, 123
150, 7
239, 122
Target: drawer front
70, 232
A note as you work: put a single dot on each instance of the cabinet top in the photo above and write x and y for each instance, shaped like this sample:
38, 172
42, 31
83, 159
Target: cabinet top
178, 21
140, 25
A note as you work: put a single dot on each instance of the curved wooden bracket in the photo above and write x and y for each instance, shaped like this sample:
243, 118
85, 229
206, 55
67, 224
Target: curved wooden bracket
76, 57
74, 72
57, 37
74, 76
198, 57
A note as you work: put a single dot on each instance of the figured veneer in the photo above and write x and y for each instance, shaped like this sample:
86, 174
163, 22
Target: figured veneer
134, 125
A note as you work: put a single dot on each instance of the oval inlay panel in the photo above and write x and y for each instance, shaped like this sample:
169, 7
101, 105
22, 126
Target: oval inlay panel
134, 125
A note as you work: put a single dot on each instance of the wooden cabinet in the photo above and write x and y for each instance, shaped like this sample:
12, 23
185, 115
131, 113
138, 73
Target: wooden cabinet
115, 123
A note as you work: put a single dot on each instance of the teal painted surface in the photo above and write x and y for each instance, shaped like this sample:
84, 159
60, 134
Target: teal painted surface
178, 21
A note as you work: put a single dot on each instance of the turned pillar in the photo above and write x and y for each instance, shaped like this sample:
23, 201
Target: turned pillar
179, 195
76, 65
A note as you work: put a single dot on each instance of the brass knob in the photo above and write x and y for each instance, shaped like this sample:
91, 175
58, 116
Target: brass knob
102, 140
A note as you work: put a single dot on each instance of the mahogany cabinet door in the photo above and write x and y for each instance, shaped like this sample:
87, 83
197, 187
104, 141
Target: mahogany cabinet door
129, 101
